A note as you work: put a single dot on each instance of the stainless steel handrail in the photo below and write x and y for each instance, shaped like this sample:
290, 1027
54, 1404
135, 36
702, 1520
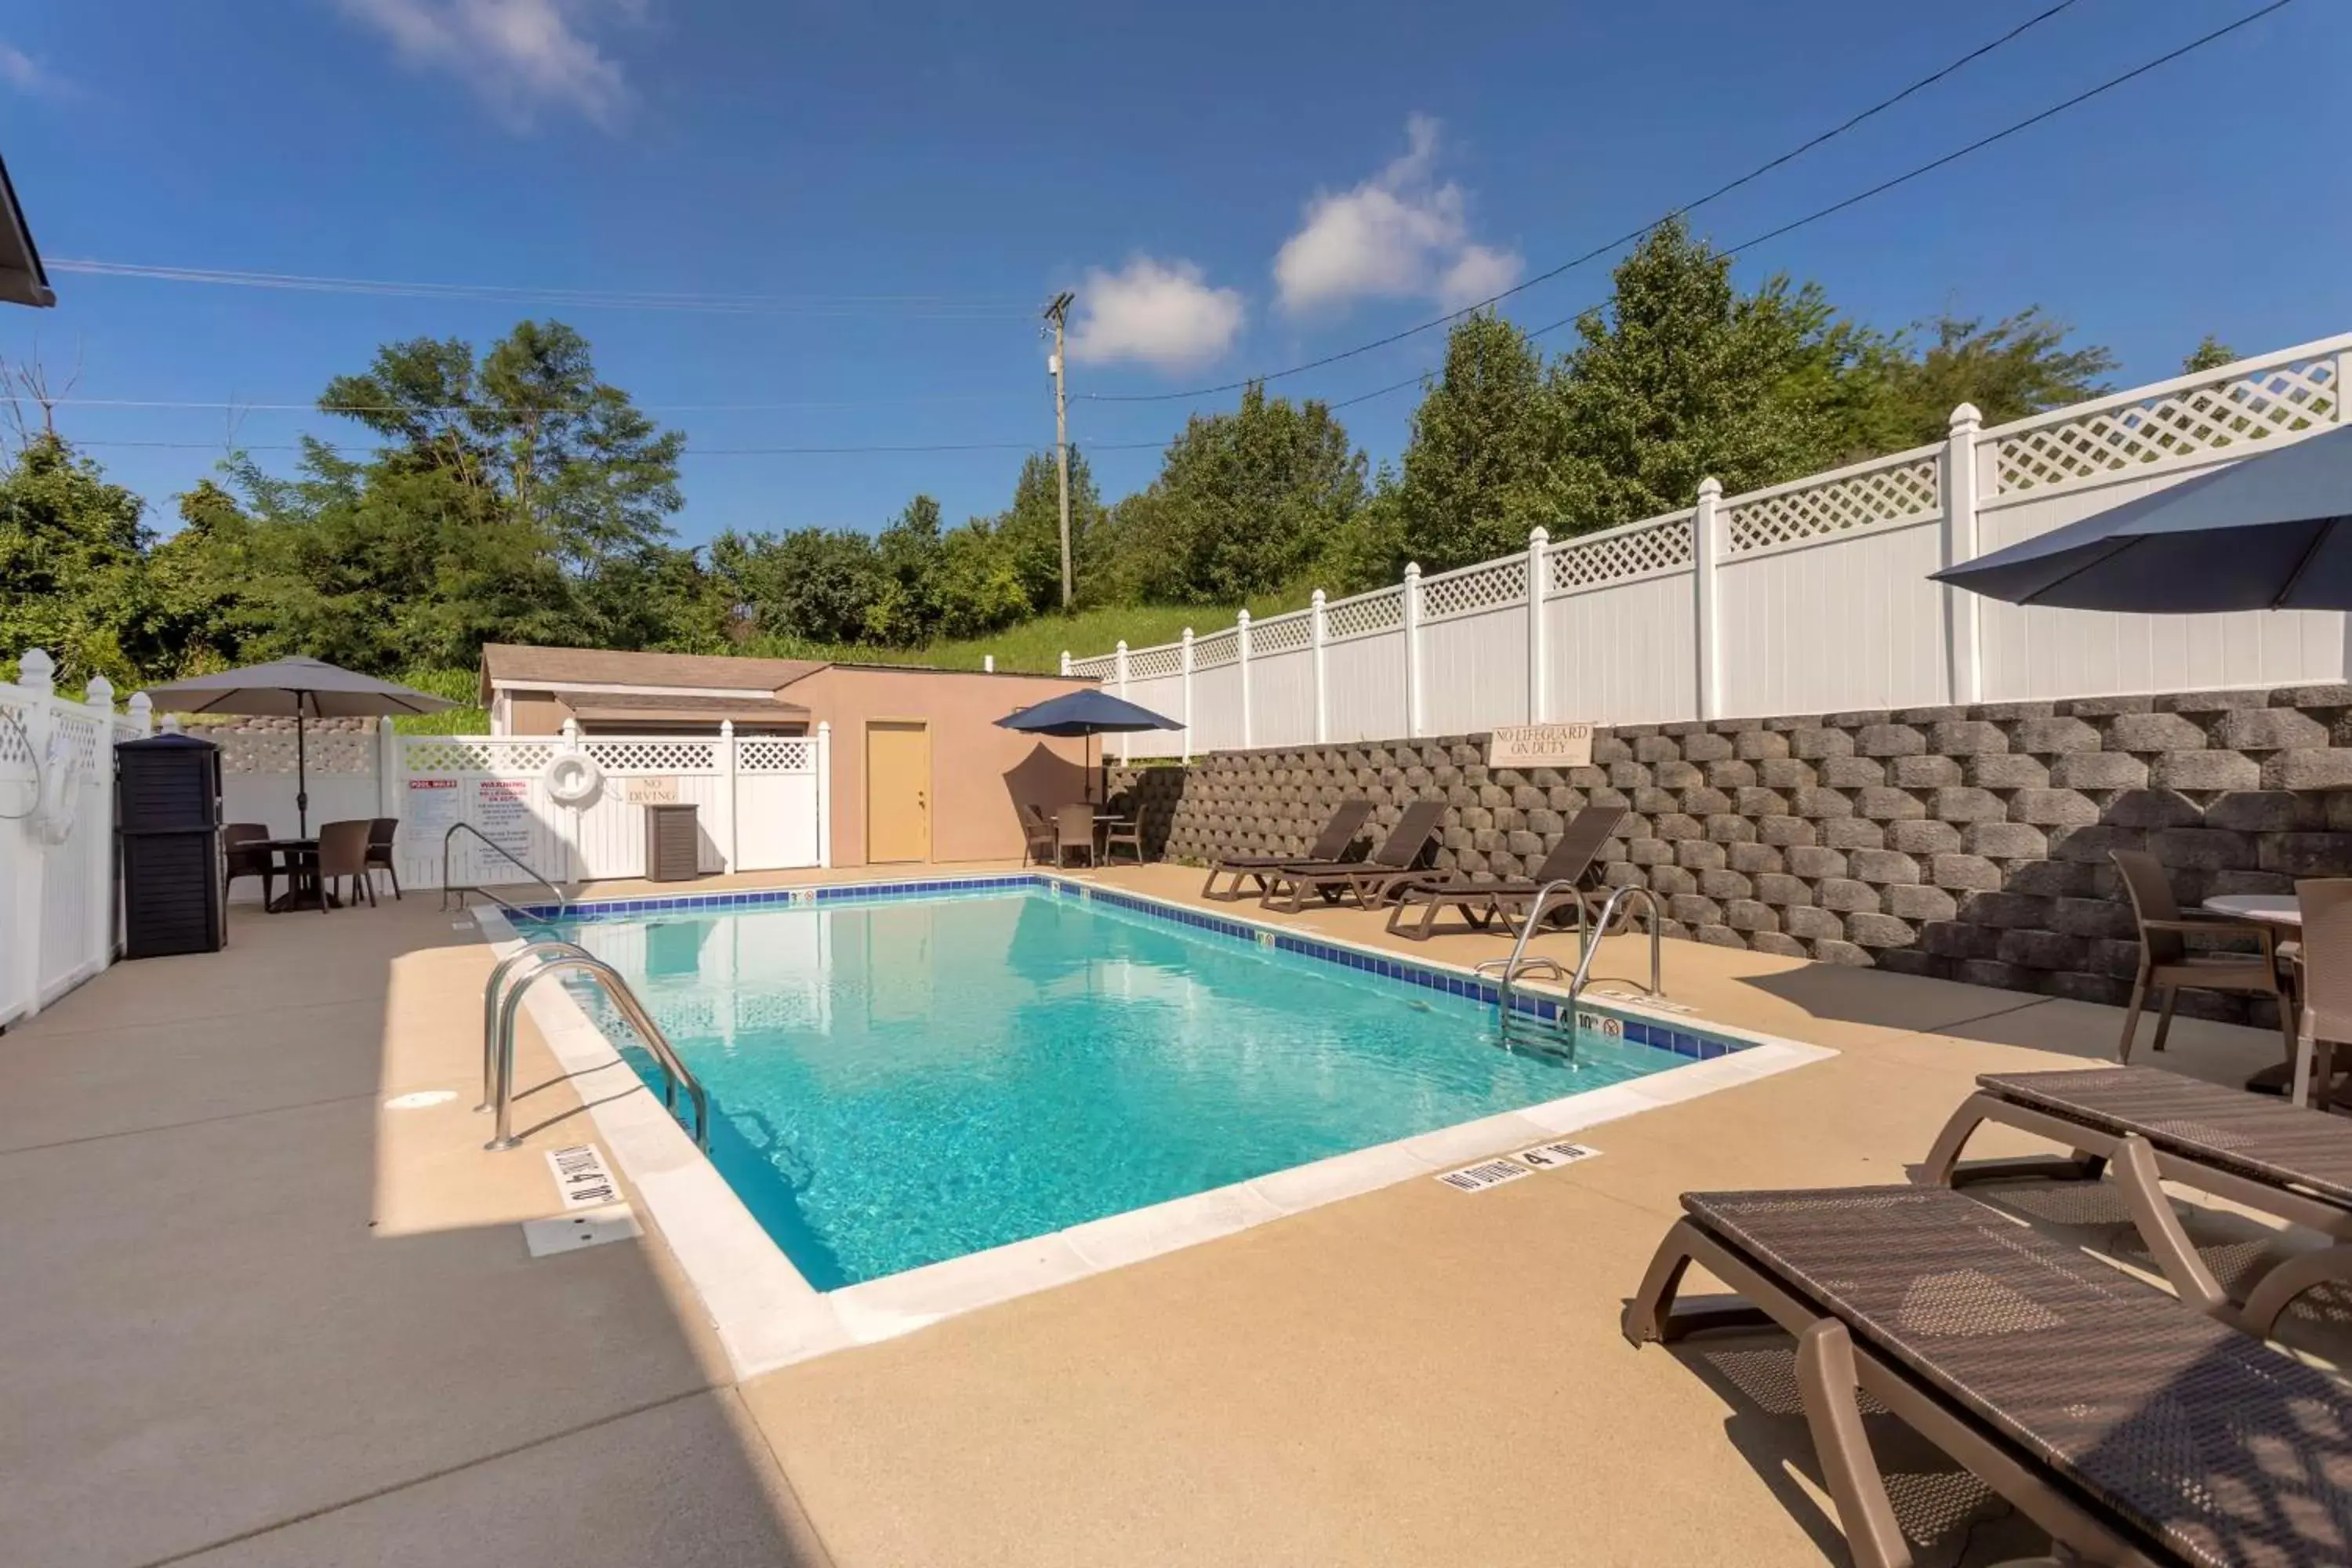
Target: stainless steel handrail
674, 1069
494, 992
1511, 966
1593, 948
504, 853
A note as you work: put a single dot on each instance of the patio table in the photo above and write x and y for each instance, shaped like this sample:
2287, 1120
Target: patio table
300, 858
2283, 910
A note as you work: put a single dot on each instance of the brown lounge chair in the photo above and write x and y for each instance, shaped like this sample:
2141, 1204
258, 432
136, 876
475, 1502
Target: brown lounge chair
1397, 860
2132, 1429
1484, 903
1330, 848
2149, 1126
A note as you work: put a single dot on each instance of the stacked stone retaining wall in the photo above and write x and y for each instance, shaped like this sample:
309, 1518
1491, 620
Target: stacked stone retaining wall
1963, 842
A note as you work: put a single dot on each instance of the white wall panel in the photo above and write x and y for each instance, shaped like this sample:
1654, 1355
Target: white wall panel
1282, 698
1474, 671
1366, 695
1624, 654
1851, 622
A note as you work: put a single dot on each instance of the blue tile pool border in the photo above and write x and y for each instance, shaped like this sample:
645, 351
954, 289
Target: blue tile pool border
1700, 1044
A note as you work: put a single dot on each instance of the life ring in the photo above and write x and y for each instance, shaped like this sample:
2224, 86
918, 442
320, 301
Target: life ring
573, 778
61, 792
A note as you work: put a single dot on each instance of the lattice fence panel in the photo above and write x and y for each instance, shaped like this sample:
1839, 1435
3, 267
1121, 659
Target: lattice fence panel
1282, 634
13, 749
1099, 668
1381, 611
1900, 492
274, 752
1491, 586
81, 739
1217, 650
2289, 398
1148, 664
440, 755
767, 755
1661, 547
653, 756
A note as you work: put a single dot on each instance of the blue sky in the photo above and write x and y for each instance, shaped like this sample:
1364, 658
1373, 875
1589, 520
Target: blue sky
884, 196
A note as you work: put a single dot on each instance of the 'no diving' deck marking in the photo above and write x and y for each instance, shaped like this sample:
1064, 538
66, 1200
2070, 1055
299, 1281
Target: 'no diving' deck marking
1489, 1174
581, 1178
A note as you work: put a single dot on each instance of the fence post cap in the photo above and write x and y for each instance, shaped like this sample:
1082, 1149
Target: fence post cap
727, 728
1710, 487
1412, 568
1539, 534
1122, 645
1188, 634
171, 723
141, 704
37, 669
100, 692
1966, 416
1315, 598
1241, 617
825, 727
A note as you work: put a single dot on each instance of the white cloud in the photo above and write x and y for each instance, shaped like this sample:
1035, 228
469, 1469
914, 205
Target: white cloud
23, 73
519, 55
1400, 234
1165, 314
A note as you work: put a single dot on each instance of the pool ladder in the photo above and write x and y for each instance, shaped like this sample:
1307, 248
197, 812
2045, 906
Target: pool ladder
502, 1003
1518, 1027
512, 907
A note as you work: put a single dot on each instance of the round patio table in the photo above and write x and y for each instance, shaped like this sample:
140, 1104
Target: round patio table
300, 856
2283, 910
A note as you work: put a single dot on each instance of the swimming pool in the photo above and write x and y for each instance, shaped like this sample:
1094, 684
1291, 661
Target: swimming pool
896, 1079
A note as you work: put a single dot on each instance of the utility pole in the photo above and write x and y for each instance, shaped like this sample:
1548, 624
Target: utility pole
1057, 314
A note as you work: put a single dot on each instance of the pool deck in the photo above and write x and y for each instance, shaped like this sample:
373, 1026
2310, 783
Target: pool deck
257, 1317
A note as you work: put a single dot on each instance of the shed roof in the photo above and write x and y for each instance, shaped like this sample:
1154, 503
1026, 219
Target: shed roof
615, 666
22, 279
682, 707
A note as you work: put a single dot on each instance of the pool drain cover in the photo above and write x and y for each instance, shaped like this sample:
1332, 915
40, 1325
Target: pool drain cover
572, 1233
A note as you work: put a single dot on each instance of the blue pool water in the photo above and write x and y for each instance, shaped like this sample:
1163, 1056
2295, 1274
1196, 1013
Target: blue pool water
904, 1080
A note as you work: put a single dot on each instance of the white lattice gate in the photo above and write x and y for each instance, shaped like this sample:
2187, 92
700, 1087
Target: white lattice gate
763, 804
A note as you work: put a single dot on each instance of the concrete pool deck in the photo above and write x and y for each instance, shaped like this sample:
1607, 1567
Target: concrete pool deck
258, 1317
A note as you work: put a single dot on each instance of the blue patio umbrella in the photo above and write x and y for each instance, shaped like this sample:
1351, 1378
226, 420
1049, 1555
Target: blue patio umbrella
1088, 712
2272, 533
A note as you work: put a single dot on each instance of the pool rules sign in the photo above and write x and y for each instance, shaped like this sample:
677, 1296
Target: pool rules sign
1540, 746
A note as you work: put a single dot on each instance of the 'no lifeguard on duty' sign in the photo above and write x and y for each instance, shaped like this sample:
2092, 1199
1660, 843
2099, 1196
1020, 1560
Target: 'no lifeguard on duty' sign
1540, 746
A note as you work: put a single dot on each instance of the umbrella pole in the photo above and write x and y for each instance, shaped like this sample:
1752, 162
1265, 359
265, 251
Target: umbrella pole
302, 777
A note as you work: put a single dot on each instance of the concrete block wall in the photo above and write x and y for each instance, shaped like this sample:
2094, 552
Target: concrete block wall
1964, 842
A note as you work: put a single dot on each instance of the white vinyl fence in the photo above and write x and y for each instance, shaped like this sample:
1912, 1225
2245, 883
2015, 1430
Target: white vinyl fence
762, 798
59, 920
1805, 597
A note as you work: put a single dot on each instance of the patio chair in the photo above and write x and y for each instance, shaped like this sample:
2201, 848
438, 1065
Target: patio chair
1484, 903
1074, 828
343, 852
242, 858
1397, 860
1127, 830
2167, 964
2131, 1428
1036, 833
2148, 1126
2319, 964
381, 833
1332, 847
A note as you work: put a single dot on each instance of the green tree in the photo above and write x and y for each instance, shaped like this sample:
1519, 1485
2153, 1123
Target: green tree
981, 588
202, 610
1030, 530
2210, 354
1681, 375
909, 554
810, 585
2016, 366
1482, 465
1246, 502
72, 578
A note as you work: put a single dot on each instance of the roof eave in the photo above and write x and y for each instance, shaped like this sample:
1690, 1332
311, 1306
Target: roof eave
23, 279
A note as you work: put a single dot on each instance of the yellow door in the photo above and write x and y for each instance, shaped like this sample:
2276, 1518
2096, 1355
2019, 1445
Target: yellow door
898, 790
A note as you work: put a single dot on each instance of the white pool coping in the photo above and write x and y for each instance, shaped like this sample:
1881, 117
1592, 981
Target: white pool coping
767, 1316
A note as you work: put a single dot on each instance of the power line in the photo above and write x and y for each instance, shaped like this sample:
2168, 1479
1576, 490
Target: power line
1905, 178
234, 406
931, 305
1599, 250
691, 451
